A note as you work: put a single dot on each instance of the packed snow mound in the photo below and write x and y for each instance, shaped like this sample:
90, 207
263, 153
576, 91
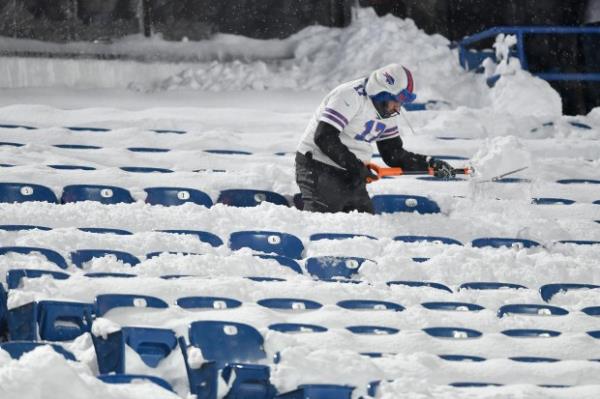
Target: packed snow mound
325, 57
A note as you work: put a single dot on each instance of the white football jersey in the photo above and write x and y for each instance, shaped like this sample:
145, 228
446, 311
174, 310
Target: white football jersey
351, 111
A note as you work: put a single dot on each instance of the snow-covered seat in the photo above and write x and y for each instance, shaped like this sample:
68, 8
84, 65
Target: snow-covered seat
104, 230
14, 276
552, 201
208, 303
77, 146
364, 304
531, 309
70, 167
26, 192
452, 306
297, 328
106, 302
419, 284
172, 196
283, 261
490, 285
250, 198
372, 330
547, 291
203, 236
431, 239
151, 344
338, 236
391, 203
452, 332
499, 242
329, 268
578, 181
145, 169
50, 320
98, 193
530, 333
82, 256
49, 254
23, 227
289, 304
268, 242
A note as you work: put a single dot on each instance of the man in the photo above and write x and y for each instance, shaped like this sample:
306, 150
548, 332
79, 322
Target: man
332, 155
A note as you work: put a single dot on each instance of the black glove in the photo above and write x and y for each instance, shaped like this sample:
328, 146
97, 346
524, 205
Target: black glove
441, 169
359, 175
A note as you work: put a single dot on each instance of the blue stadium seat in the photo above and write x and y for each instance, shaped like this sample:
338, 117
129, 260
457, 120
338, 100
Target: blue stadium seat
462, 358
50, 320
103, 230
338, 236
106, 302
419, 284
23, 227
145, 169
578, 181
283, 261
87, 129
249, 198
364, 304
453, 306
109, 274
151, 344
512, 180
580, 125
291, 304
14, 276
49, 254
268, 242
497, 242
265, 279
547, 291
531, 309
465, 384
26, 192
82, 256
591, 310
533, 359
151, 255
173, 196
452, 332
203, 236
334, 267
164, 131
318, 391
431, 239
438, 180
226, 342
208, 302
297, 328
552, 201
389, 203
228, 152
594, 334
492, 285
372, 330
530, 333
580, 242
227, 346
133, 378
420, 259
16, 349
71, 167
102, 194
11, 126
147, 149
77, 146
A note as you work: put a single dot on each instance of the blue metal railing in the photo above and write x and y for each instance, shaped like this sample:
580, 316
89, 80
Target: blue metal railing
471, 59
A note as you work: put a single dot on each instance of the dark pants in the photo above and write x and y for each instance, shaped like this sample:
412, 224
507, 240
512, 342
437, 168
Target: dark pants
591, 52
325, 188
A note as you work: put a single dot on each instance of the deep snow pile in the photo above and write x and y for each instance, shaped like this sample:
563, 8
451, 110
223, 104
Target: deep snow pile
495, 139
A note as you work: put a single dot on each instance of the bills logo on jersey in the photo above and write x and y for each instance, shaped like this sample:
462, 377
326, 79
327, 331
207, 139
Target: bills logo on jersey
389, 78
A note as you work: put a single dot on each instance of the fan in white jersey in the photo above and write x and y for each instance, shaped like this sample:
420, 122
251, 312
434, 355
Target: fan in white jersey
332, 155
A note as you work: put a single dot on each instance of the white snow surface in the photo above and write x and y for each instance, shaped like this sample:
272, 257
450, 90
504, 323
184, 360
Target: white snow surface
228, 109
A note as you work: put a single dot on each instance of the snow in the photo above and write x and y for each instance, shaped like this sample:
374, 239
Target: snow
262, 107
